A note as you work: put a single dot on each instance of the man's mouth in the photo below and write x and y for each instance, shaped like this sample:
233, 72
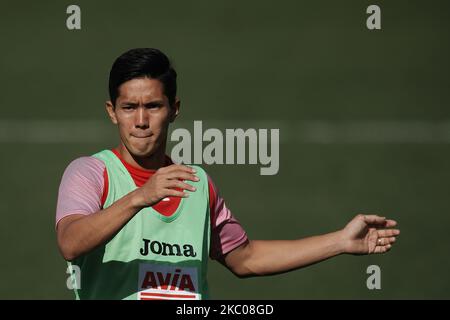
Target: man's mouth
141, 135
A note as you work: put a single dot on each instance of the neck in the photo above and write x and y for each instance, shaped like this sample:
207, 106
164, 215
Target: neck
152, 162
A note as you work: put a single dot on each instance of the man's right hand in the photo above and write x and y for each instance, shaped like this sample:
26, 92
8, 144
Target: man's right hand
164, 183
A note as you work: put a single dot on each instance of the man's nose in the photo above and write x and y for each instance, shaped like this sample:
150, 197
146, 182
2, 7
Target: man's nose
142, 120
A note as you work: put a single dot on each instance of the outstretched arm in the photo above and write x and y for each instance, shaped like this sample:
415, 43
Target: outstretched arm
364, 234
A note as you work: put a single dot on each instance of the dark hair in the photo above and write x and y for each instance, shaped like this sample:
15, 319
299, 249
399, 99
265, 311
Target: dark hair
140, 63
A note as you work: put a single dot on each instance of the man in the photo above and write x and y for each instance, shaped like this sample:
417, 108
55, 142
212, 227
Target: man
140, 227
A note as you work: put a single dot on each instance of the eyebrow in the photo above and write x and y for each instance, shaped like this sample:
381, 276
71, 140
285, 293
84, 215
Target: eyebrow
152, 103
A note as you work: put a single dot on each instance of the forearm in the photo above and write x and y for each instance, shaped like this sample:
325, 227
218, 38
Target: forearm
84, 233
265, 257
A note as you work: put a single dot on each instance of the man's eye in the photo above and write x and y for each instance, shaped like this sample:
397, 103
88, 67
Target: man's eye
127, 108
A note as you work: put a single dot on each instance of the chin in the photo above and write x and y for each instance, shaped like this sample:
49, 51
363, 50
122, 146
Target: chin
142, 151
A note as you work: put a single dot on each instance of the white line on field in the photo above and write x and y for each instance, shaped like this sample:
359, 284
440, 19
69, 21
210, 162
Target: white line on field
314, 132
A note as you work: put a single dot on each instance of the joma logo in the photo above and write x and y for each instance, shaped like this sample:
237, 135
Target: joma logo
166, 249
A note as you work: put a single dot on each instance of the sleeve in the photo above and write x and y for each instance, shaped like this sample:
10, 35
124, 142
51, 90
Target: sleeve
81, 188
226, 232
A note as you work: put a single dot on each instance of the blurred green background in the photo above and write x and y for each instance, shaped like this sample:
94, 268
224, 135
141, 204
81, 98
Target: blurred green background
306, 67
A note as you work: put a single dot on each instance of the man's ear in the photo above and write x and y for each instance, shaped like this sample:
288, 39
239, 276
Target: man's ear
175, 109
111, 112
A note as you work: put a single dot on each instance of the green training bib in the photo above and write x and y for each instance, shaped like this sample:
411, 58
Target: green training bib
152, 256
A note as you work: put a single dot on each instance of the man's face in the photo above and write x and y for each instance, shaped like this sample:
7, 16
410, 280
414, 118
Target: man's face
142, 113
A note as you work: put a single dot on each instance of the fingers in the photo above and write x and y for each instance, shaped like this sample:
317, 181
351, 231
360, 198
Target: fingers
180, 185
182, 175
382, 249
176, 193
168, 182
388, 233
374, 219
379, 221
177, 167
390, 223
385, 241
